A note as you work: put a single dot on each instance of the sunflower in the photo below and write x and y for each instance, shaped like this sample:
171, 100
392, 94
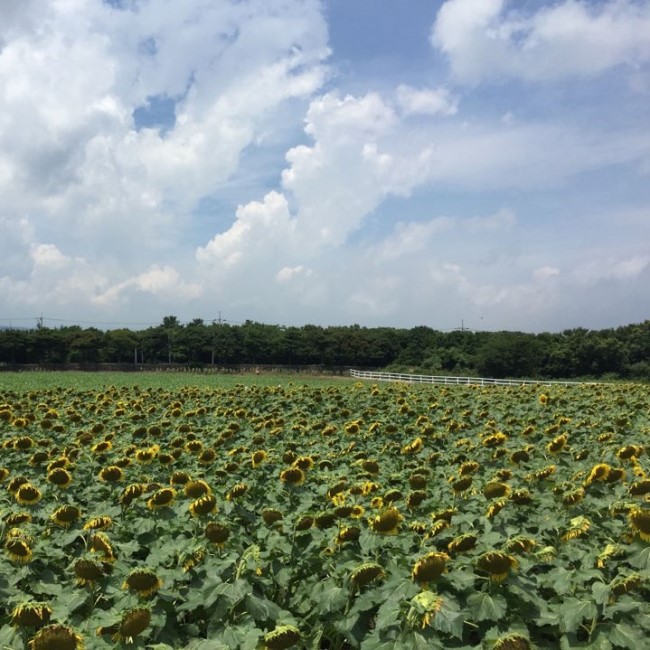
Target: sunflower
15, 483
292, 476
59, 476
17, 518
557, 444
179, 478
520, 544
496, 564
348, 534
99, 543
65, 516
207, 456
258, 458
18, 550
630, 451
271, 516
130, 493
578, 527
217, 533
143, 582
413, 447
304, 463
387, 522
57, 637
4, 474
366, 573
460, 485
573, 497
111, 474
598, 472
640, 520
161, 498
462, 543
640, 488
99, 523
102, 447
28, 494
31, 614
468, 467
624, 584
305, 522
133, 623
236, 491
192, 559
196, 489
429, 568
512, 642
204, 505
88, 572
495, 490
283, 636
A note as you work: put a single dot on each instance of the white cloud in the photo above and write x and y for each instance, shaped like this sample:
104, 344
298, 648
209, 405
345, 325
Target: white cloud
492, 39
413, 101
504, 219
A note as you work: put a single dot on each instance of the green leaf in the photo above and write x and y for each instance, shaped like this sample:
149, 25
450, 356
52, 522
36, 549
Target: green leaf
623, 635
486, 607
574, 611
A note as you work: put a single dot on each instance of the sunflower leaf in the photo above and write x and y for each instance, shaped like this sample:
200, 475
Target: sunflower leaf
486, 607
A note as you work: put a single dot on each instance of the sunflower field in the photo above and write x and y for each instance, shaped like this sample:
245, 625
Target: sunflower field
344, 516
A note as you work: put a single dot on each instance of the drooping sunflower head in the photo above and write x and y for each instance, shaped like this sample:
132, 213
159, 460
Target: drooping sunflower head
512, 642
18, 548
639, 519
28, 494
60, 477
430, 567
236, 491
578, 526
217, 533
179, 478
423, 608
348, 534
65, 516
16, 518
57, 637
496, 564
99, 523
462, 543
130, 493
258, 458
598, 472
204, 505
196, 489
133, 623
143, 582
99, 543
496, 490
304, 522
271, 516
292, 476
161, 498
31, 614
283, 636
111, 474
387, 522
365, 573
87, 572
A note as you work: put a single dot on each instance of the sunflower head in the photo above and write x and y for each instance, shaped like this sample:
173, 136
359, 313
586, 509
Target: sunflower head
196, 489
111, 474
133, 623
283, 636
65, 516
496, 564
258, 458
462, 543
57, 637
271, 516
99, 523
387, 522
130, 493
99, 543
217, 533
161, 498
204, 505
512, 642
28, 494
143, 582
639, 519
236, 491
17, 518
292, 476
87, 572
366, 573
31, 615
430, 567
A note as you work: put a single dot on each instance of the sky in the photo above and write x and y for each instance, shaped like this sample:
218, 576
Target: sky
459, 163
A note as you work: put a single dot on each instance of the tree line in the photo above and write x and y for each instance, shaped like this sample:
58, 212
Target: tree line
620, 352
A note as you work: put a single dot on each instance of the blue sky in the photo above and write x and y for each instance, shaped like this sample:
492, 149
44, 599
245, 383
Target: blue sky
397, 163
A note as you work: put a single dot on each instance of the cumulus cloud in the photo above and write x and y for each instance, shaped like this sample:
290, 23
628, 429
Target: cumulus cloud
494, 39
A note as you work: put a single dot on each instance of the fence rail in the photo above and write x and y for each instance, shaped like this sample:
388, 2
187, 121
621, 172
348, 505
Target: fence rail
448, 381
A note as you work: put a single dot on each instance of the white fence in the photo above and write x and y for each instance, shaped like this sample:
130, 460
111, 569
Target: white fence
449, 381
